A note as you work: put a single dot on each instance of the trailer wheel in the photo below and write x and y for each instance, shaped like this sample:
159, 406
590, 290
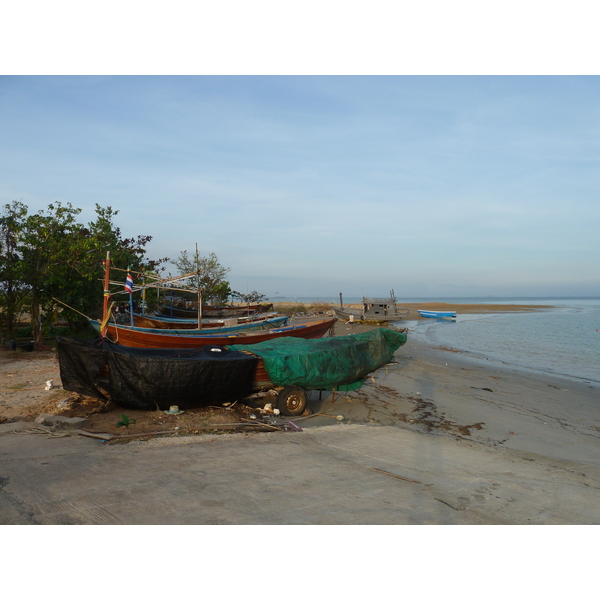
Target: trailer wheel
291, 401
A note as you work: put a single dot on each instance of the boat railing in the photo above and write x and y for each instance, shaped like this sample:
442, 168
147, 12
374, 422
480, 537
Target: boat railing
379, 300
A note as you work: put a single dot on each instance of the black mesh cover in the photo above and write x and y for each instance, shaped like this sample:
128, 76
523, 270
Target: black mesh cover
147, 379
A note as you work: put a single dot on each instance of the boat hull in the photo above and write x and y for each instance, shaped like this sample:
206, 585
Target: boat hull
146, 339
148, 324
437, 314
162, 322
210, 311
344, 314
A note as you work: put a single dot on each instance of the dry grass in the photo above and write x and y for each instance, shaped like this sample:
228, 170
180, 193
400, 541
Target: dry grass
293, 308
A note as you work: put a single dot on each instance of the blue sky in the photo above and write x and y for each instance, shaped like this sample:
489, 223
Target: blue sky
315, 185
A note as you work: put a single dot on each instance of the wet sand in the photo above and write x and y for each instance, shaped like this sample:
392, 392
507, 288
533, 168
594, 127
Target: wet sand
447, 392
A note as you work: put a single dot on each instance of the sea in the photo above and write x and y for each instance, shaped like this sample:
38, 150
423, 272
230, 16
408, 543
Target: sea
563, 340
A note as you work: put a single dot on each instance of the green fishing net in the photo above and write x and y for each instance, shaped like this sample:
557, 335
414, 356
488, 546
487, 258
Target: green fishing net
339, 363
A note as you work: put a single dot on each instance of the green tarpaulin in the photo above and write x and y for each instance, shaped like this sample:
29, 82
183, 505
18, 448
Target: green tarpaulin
330, 363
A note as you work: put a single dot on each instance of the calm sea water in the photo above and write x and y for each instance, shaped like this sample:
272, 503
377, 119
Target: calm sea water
564, 340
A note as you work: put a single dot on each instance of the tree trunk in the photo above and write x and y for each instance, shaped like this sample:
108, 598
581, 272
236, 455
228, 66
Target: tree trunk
11, 313
36, 325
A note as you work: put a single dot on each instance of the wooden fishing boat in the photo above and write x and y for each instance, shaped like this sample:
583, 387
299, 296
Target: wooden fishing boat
376, 310
126, 336
159, 322
274, 323
235, 311
437, 314
262, 321
209, 311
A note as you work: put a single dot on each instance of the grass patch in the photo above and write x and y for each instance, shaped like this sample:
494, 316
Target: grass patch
289, 309
320, 307
18, 386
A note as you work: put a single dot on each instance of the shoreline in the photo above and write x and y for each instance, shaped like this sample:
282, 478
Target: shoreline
414, 320
546, 414
480, 358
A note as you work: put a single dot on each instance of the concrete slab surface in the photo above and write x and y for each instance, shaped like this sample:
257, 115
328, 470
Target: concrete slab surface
341, 474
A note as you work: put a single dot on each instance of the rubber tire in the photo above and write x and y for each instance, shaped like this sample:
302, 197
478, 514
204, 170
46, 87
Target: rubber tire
291, 401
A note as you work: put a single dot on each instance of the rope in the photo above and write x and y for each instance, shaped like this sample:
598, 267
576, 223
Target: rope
116, 327
106, 319
70, 307
21, 390
51, 432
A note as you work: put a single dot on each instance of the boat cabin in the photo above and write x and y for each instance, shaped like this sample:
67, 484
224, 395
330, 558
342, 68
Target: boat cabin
380, 307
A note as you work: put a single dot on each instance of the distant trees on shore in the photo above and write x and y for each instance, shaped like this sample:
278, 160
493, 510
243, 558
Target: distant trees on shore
209, 278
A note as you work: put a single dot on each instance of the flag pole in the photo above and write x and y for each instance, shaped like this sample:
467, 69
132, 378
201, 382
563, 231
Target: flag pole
130, 297
144, 290
106, 295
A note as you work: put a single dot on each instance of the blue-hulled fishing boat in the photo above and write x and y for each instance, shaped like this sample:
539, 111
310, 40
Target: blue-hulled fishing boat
437, 314
157, 322
267, 324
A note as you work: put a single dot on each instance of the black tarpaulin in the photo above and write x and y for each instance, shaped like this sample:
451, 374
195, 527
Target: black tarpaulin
147, 379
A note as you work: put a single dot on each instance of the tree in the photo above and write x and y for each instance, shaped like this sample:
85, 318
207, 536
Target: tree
48, 241
251, 298
209, 278
60, 258
102, 236
13, 291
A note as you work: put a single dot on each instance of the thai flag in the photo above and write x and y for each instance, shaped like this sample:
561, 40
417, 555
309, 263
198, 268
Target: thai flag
129, 283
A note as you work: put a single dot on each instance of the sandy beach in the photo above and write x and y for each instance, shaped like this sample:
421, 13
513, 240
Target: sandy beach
436, 437
414, 307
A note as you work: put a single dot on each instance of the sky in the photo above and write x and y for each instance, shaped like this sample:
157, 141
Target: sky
315, 185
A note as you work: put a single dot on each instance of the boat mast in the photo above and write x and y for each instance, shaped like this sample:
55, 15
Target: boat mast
144, 290
199, 290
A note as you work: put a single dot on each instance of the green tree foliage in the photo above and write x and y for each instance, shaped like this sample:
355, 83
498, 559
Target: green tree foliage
50, 255
103, 235
209, 278
49, 238
13, 292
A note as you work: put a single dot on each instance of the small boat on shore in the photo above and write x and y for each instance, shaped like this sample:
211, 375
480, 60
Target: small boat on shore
437, 314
